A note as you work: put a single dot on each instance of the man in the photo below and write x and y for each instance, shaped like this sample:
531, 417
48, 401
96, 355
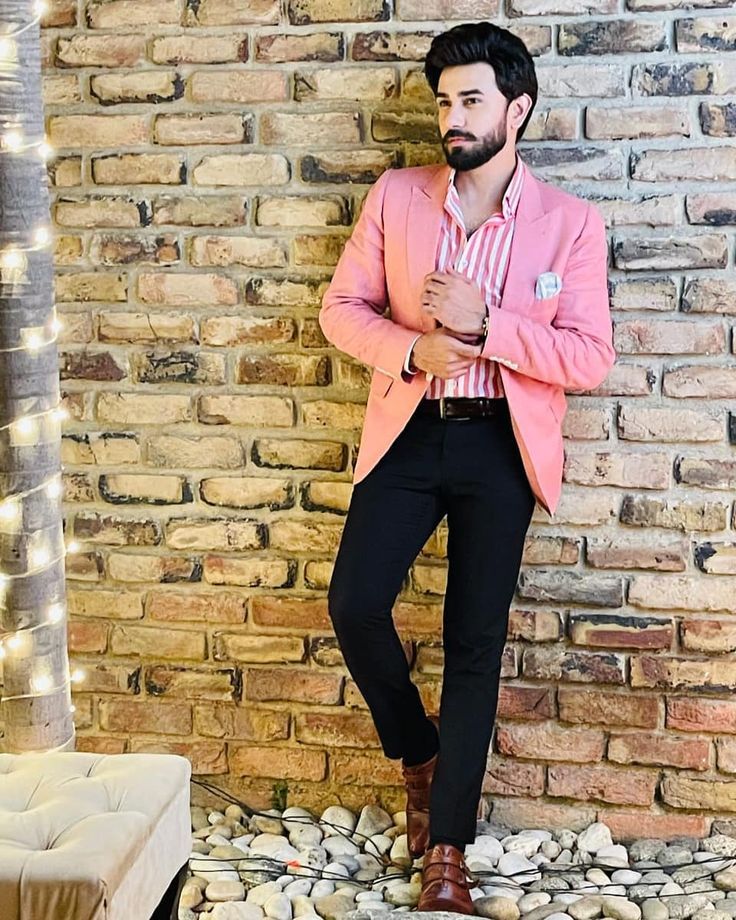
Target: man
497, 287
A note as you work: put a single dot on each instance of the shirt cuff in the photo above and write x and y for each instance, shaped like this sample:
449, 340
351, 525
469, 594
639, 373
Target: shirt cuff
408, 355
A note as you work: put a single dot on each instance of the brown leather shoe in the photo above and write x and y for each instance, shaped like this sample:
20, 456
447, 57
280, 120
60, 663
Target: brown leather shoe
418, 780
445, 881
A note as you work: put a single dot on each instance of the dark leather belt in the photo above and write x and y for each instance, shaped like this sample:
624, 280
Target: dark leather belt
463, 407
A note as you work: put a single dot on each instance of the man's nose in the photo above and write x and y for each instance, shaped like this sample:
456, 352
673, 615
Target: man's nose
456, 120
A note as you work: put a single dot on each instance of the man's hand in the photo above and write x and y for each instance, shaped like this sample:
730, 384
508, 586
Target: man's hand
454, 301
442, 354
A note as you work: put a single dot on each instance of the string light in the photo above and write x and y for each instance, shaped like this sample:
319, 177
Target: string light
55, 614
13, 260
39, 8
42, 550
52, 486
42, 237
25, 423
47, 688
42, 558
15, 642
13, 140
8, 50
32, 338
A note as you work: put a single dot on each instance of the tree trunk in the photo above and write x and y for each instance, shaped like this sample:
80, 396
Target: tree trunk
36, 701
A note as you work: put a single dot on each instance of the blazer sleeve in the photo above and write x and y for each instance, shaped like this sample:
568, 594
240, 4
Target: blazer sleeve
350, 315
576, 350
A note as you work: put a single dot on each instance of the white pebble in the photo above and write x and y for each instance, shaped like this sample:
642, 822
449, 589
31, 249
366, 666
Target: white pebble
533, 900
343, 819
297, 887
625, 877
378, 844
322, 887
259, 894
595, 837
235, 910
225, 890
278, 906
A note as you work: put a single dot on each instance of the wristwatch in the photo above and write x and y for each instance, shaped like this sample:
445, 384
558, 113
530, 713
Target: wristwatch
484, 328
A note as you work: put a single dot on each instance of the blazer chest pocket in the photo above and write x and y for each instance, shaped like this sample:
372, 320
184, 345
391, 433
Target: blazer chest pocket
520, 299
543, 309
380, 383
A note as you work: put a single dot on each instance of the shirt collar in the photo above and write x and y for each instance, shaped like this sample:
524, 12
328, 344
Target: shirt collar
512, 194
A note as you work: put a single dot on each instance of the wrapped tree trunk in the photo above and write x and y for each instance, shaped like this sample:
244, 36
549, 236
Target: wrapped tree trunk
36, 699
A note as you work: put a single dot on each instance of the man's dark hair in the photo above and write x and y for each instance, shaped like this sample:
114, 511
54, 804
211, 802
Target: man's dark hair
484, 42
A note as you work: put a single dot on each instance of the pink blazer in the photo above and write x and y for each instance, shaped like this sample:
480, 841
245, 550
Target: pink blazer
543, 346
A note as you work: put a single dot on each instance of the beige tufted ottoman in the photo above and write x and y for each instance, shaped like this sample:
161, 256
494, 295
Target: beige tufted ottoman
92, 836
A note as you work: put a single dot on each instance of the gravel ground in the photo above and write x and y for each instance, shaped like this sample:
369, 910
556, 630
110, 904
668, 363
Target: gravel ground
280, 865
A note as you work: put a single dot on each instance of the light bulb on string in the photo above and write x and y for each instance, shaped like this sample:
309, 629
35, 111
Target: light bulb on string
24, 431
32, 338
12, 139
78, 676
8, 50
42, 236
10, 511
16, 642
40, 557
54, 488
55, 613
13, 258
42, 683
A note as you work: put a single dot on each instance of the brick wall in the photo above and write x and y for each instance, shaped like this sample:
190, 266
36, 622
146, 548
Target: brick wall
211, 159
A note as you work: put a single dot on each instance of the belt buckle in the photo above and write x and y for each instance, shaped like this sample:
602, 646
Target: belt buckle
442, 407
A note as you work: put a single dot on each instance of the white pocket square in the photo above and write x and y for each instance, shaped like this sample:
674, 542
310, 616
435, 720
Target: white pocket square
548, 284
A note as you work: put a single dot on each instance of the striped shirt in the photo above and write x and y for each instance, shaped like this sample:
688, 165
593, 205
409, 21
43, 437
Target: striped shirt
483, 258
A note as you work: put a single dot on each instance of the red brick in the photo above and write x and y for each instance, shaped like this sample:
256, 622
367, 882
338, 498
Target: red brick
280, 763
550, 741
690, 714
338, 729
608, 708
299, 686
653, 750
146, 716
606, 784
513, 777
206, 757
628, 826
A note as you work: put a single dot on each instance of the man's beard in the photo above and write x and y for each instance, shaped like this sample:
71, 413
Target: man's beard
475, 153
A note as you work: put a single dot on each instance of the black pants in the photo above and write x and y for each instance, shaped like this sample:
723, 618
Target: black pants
470, 470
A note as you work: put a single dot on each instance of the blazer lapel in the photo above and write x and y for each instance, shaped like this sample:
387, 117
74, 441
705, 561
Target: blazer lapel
422, 233
424, 222
527, 257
